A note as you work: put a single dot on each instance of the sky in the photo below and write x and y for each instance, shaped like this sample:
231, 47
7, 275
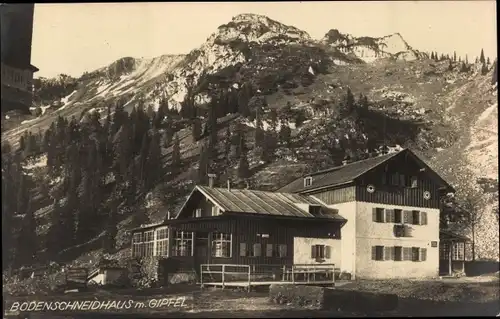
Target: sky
78, 37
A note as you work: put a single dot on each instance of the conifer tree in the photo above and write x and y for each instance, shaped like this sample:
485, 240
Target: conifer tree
27, 243
259, 132
285, 134
227, 142
481, 58
203, 164
109, 240
494, 78
154, 164
176, 156
454, 56
54, 244
243, 167
196, 129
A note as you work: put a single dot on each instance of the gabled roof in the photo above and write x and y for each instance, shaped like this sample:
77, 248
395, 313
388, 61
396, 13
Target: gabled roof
248, 201
348, 173
337, 175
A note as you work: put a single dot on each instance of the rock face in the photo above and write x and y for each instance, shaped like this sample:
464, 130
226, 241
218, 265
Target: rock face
370, 49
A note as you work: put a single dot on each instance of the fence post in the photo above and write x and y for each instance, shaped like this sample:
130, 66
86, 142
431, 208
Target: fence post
223, 269
284, 273
333, 275
249, 278
293, 274
201, 276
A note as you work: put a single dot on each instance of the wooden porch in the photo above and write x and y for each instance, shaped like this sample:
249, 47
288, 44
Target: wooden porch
452, 254
248, 276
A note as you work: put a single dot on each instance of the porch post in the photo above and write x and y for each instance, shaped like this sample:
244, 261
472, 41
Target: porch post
450, 244
169, 241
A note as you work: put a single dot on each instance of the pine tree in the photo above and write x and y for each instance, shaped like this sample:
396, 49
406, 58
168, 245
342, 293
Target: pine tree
169, 133
481, 58
454, 56
285, 134
488, 61
494, 77
227, 142
176, 156
484, 69
123, 153
143, 160
27, 244
203, 165
196, 129
259, 132
54, 244
154, 164
243, 167
109, 240
450, 66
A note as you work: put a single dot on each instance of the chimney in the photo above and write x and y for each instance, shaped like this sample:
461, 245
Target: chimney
211, 178
168, 214
228, 184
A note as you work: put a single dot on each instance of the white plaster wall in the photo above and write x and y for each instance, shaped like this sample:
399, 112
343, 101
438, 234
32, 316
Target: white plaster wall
302, 250
348, 236
99, 279
370, 233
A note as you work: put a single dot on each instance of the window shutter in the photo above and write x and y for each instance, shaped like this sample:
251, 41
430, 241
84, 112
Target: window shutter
327, 252
423, 254
282, 250
313, 251
423, 218
419, 218
374, 252
256, 250
374, 214
243, 249
388, 253
407, 215
269, 250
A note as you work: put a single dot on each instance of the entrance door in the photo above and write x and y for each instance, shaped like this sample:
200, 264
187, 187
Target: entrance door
200, 251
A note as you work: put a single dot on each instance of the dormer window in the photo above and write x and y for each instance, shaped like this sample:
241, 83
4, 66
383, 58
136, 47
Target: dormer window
308, 181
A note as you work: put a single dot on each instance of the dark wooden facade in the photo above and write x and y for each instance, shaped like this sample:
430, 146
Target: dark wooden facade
249, 230
381, 177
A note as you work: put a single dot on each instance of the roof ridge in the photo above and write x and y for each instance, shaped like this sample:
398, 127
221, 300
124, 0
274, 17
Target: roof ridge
356, 162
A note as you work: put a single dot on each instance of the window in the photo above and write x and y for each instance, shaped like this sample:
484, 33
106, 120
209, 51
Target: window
183, 244
423, 254
270, 250
215, 211
415, 217
458, 251
407, 253
149, 243
378, 252
414, 182
400, 230
398, 216
282, 250
398, 253
318, 251
378, 215
257, 250
407, 216
389, 215
444, 250
221, 245
137, 246
198, 212
395, 179
415, 256
162, 242
388, 253
243, 249
402, 180
423, 218
308, 181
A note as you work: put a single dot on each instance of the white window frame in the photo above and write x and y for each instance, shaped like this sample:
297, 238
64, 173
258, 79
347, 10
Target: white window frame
308, 181
149, 243
198, 212
458, 251
221, 238
182, 239
161, 244
137, 245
